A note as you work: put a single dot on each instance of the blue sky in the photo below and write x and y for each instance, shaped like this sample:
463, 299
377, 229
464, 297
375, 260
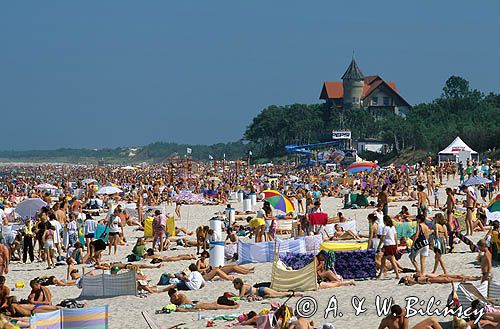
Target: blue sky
123, 73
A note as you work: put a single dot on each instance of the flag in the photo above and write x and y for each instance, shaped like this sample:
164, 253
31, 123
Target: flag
210, 157
249, 152
224, 155
188, 150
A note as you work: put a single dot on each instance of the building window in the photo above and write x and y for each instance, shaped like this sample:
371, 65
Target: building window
386, 101
374, 100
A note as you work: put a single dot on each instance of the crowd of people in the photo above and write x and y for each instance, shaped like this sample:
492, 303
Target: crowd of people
77, 224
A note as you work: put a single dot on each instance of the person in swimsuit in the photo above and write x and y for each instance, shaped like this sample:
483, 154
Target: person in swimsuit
184, 303
485, 261
48, 245
442, 278
246, 290
39, 295
471, 205
204, 268
438, 241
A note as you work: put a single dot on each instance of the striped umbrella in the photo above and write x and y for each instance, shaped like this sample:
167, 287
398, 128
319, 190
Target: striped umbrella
278, 201
360, 166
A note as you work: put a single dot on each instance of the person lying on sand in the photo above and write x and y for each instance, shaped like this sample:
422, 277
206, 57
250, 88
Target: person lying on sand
203, 266
442, 278
245, 290
158, 258
397, 320
22, 310
121, 266
184, 303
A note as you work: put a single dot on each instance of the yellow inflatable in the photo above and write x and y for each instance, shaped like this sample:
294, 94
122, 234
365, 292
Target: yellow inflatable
340, 246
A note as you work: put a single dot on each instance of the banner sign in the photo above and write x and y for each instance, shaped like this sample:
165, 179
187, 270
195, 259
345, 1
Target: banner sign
341, 135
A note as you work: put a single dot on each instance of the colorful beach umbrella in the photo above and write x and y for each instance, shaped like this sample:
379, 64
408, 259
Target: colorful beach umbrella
360, 166
278, 201
494, 204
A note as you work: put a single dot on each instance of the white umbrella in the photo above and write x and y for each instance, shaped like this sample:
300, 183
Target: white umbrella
128, 168
28, 208
46, 186
109, 190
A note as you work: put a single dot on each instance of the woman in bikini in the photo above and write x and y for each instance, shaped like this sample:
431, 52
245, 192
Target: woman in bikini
438, 241
203, 266
325, 275
48, 245
443, 278
246, 290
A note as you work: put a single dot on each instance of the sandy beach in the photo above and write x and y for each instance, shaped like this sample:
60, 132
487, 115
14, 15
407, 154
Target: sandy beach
125, 312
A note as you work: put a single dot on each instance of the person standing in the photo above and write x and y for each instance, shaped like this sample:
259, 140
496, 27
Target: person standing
383, 200
438, 241
389, 242
420, 246
422, 202
28, 241
486, 263
115, 227
159, 227
471, 201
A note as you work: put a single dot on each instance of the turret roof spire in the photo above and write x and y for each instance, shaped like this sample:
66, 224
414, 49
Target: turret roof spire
353, 71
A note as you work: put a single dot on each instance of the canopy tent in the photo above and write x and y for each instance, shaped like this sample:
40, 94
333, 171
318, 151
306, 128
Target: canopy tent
456, 150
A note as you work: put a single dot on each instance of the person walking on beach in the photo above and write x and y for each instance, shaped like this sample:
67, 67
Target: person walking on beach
389, 241
420, 246
438, 241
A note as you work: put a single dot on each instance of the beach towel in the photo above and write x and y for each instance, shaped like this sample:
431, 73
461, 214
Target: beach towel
318, 218
107, 285
343, 246
91, 317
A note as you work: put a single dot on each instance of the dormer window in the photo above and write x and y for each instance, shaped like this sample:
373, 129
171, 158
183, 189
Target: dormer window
374, 100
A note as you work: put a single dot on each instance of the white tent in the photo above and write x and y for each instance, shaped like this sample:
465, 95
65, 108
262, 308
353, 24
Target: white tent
456, 150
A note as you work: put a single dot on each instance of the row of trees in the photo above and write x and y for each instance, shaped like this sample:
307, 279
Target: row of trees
460, 111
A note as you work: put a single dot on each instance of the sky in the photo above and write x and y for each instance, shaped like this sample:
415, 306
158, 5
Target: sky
99, 74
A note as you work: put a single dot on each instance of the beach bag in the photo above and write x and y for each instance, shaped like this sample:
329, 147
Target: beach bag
421, 241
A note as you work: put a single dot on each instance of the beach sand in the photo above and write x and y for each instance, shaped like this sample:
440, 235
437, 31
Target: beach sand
125, 312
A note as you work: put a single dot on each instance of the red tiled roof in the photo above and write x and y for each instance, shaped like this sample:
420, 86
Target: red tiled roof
335, 89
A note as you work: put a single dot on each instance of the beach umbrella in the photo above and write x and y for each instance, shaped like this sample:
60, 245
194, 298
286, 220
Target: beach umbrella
28, 208
494, 204
361, 166
190, 198
128, 168
46, 186
109, 190
110, 184
89, 181
476, 180
278, 201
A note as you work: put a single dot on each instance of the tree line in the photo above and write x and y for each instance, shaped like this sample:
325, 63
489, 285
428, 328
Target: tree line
459, 111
